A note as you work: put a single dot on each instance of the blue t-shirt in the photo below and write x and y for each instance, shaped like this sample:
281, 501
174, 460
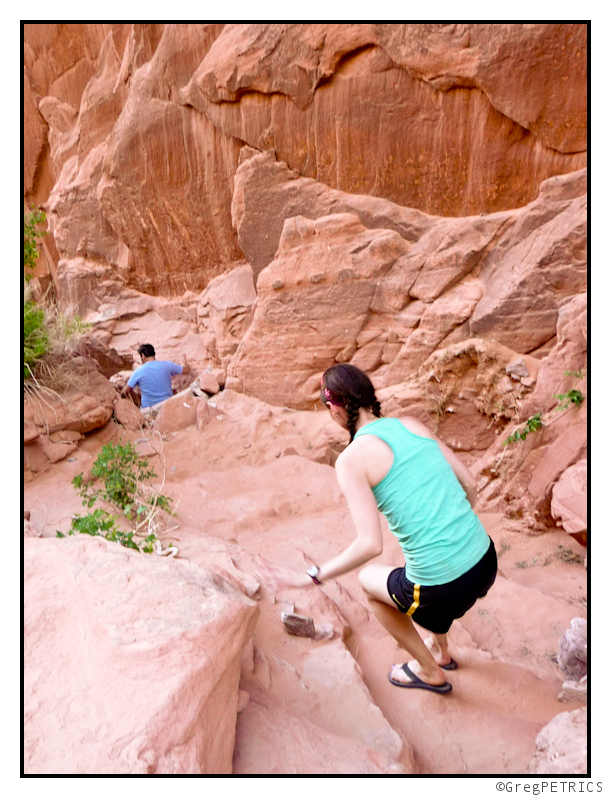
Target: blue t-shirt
154, 378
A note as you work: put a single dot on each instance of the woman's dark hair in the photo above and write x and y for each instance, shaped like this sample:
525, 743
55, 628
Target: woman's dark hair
347, 386
146, 350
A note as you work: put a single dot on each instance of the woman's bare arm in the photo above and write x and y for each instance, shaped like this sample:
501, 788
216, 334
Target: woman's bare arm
355, 486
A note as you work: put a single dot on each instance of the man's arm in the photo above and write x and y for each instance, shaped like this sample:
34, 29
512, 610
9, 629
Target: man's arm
131, 390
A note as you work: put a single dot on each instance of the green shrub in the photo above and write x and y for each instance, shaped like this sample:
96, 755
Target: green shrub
124, 474
50, 338
533, 424
100, 523
31, 235
574, 396
35, 336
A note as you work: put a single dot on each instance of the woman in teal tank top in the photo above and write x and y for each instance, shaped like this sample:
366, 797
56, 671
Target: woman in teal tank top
397, 467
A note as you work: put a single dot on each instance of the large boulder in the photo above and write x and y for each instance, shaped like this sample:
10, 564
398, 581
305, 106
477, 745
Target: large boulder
177, 412
365, 289
538, 266
570, 500
323, 265
132, 661
54, 422
562, 746
224, 312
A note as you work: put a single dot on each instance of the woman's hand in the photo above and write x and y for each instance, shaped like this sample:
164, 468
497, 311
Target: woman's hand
275, 577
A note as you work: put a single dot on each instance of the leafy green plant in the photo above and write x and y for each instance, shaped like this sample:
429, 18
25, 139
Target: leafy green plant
35, 336
31, 235
533, 424
101, 524
50, 338
124, 474
574, 396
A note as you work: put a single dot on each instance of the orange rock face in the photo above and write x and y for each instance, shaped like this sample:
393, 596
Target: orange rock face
452, 98
147, 122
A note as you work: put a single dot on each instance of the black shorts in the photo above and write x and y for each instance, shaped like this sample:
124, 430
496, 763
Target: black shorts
435, 607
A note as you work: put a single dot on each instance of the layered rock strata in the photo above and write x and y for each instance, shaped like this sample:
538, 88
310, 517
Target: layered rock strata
144, 123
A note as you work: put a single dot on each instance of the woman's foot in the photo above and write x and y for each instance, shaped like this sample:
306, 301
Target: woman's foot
436, 678
441, 657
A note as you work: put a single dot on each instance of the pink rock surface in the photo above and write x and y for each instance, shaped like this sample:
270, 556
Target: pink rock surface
127, 414
54, 422
176, 413
291, 744
171, 635
562, 746
327, 704
224, 312
570, 498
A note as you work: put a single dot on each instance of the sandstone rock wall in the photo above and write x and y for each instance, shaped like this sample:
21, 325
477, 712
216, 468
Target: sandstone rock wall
134, 131
250, 489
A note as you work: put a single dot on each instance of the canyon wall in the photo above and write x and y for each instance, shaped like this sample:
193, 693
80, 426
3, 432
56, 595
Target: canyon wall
133, 132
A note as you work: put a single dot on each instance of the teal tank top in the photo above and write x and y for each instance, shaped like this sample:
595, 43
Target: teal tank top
426, 507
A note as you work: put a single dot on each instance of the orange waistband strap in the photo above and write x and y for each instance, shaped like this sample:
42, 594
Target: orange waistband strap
416, 601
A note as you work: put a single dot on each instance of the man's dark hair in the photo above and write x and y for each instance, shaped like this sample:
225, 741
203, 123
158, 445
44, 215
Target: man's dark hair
146, 350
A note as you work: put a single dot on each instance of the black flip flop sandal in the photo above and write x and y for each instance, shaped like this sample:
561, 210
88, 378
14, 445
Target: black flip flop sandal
418, 683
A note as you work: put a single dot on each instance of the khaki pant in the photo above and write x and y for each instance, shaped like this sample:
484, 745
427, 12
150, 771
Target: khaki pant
152, 411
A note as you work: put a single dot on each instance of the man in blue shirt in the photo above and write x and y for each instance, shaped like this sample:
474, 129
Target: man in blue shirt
154, 378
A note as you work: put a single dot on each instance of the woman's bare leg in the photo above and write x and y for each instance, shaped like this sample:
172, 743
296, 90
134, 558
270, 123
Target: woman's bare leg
373, 580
